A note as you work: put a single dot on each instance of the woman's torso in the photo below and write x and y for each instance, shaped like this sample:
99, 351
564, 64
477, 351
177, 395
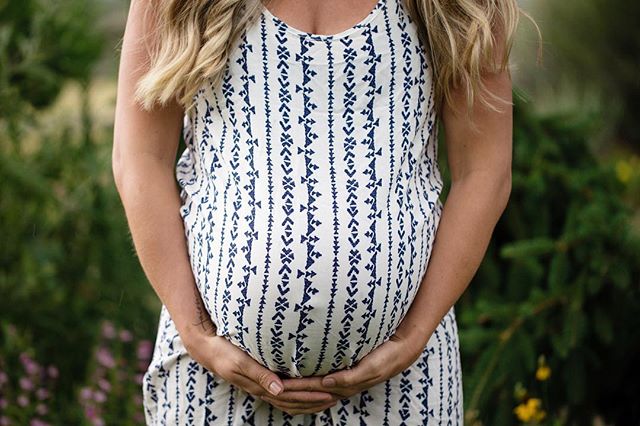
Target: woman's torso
310, 189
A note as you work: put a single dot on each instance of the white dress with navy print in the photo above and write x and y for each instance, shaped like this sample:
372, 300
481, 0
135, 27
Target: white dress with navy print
310, 189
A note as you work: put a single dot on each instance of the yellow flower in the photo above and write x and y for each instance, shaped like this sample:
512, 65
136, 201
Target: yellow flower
624, 171
534, 403
543, 372
529, 410
524, 413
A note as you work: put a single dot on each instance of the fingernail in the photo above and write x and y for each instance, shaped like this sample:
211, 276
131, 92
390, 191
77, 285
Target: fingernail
275, 388
328, 381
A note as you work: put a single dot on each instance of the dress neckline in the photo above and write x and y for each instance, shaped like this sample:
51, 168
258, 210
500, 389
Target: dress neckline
344, 33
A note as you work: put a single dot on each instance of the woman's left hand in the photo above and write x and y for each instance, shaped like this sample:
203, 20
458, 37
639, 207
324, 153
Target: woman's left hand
384, 362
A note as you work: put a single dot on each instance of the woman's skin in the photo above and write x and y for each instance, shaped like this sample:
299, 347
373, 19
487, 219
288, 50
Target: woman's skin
144, 152
321, 17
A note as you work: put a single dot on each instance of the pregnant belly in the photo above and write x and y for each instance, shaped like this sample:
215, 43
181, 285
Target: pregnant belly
306, 295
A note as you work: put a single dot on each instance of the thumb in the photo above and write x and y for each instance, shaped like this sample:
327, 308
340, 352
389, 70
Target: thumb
265, 378
341, 378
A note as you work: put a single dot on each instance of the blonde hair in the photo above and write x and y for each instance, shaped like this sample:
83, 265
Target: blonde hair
193, 40
467, 39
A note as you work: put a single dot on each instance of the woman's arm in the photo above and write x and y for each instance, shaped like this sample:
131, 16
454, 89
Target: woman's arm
144, 154
480, 165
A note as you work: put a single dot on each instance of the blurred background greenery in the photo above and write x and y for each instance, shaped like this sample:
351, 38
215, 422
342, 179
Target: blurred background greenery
548, 326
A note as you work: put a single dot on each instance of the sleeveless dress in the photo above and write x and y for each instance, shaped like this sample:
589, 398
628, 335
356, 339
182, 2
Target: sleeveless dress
310, 190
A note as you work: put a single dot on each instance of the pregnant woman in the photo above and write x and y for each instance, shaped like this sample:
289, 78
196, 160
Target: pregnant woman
291, 257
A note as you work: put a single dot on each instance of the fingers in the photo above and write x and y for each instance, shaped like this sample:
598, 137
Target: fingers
301, 398
306, 397
255, 379
295, 404
304, 384
343, 379
314, 384
263, 376
298, 408
365, 374
247, 385
239, 368
286, 399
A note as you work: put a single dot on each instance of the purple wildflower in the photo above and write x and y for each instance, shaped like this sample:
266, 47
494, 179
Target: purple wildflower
145, 348
126, 336
30, 366
104, 384
23, 400
90, 412
52, 371
99, 397
108, 330
86, 393
105, 358
26, 383
42, 393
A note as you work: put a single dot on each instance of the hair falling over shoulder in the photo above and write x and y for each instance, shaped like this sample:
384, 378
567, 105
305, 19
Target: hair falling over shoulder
189, 41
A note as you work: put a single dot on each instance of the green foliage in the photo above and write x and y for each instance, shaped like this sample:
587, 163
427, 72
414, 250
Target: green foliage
43, 44
561, 278
28, 386
597, 44
113, 394
66, 256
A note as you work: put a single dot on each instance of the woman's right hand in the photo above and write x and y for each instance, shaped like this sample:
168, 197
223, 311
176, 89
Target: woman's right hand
229, 362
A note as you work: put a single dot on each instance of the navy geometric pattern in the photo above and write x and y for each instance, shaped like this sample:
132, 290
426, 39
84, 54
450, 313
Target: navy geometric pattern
309, 191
